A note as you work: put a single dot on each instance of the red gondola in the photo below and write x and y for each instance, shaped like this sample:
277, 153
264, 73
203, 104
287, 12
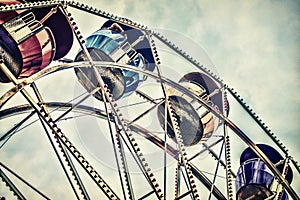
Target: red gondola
31, 39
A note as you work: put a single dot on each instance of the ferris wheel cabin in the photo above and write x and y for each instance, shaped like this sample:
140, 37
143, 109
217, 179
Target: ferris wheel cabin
31, 38
196, 123
116, 43
255, 180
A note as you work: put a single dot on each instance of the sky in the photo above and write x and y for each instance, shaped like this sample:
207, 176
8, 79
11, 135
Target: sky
252, 45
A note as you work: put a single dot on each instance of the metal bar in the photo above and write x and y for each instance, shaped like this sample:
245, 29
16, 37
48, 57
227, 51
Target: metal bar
183, 195
135, 158
173, 120
129, 186
207, 183
24, 181
78, 103
72, 166
144, 95
187, 185
49, 14
178, 180
12, 186
17, 126
257, 120
221, 161
244, 138
59, 158
31, 114
262, 156
165, 151
114, 110
185, 56
134, 127
105, 15
65, 153
216, 171
206, 149
229, 172
31, 5
138, 103
114, 145
62, 137
295, 163
278, 187
146, 112
146, 195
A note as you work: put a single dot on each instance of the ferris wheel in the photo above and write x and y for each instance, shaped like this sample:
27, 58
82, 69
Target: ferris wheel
123, 113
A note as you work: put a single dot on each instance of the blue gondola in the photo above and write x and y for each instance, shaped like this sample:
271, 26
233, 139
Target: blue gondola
120, 44
254, 178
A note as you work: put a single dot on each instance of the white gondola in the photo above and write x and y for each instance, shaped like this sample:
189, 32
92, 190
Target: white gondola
197, 124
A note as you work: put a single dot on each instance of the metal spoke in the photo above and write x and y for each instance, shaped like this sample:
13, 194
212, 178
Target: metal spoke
24, 181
